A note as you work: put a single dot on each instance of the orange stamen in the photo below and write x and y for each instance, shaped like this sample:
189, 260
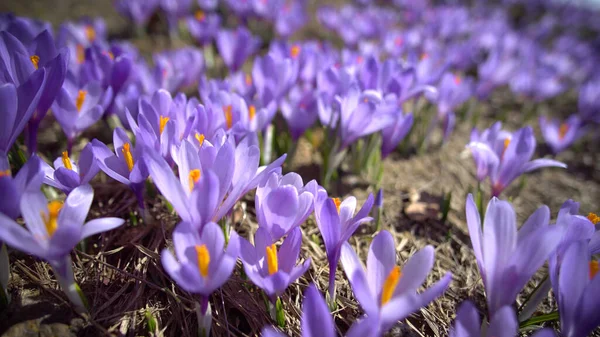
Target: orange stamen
506, 144
200, 16
562, 131
66, 160
200, 138
5, 173
594, 218
272, 261
594, 268
252, 112
248, 79
337, 203
162, 123
128, 157
193, 177
80, 99
228, 116
295, 51
90, 33
203, 259
80, 53
35, 60
51, 219
389, 286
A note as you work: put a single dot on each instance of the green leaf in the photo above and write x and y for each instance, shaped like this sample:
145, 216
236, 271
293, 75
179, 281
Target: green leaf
549, 317
150, 322
280, 314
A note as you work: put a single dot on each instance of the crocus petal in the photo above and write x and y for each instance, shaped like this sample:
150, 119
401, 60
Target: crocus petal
289, 250
542, 162
329, 226
475, 233
271, 332
380, 260
541, 217
205, 199
368, 326
573, 278
415, 270
503, 323
18, 237
399, 308
467, 323
101, 225
360, 287
588, 307
316, 319
76, 206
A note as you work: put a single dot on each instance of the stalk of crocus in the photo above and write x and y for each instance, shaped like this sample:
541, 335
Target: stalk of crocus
507, 257
378, 209
53, 229
502, 324
386, 293
270, 269
200, 265
336, 223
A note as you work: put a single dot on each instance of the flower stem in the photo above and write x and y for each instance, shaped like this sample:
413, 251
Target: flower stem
204, 315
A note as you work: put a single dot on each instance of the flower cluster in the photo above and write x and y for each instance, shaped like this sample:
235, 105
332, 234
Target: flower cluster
203, 155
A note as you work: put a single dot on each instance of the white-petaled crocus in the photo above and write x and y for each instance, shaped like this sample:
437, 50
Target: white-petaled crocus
502, 324
269, 268
201, 264
283, 203
337, 223
560, 135
53, 229
316, 319
507, 258
384, 290
503, 156
125, 165
67, 174
76, 108
578, 292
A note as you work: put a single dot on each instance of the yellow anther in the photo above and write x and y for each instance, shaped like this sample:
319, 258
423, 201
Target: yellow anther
51, 219
594, 218
66, 160
109, 54
80, 99
594, 268
200, 16
424, 56
248, 79
295, 51
35, 60
162, 123
90, 33
272, 261
200, 138
251, 112
389, 286
228, 116
5, 173
203, 259
193, 177
80, 53
562, 131
337, 203
128, 157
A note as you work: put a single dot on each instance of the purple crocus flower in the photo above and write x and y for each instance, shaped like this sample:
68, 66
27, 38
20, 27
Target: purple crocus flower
337, 224
273, 77
202, 264
453, 91
208, 5
29, 178
283, 203
359, 116
53, 229
559, 135
18, 103
137, 11
578, 292
385, 292
291, 16
316, 318
392, 135
76, 109
178, 68
502, 324
507, 257
220, 175
67, 175
175, 9
589, 102
236, 46
84, 32
299, 110
203, 26
111, 67
125, 165
269, 269
503, 157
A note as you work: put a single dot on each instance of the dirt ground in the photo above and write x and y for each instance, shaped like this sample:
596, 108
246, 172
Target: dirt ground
123, 279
